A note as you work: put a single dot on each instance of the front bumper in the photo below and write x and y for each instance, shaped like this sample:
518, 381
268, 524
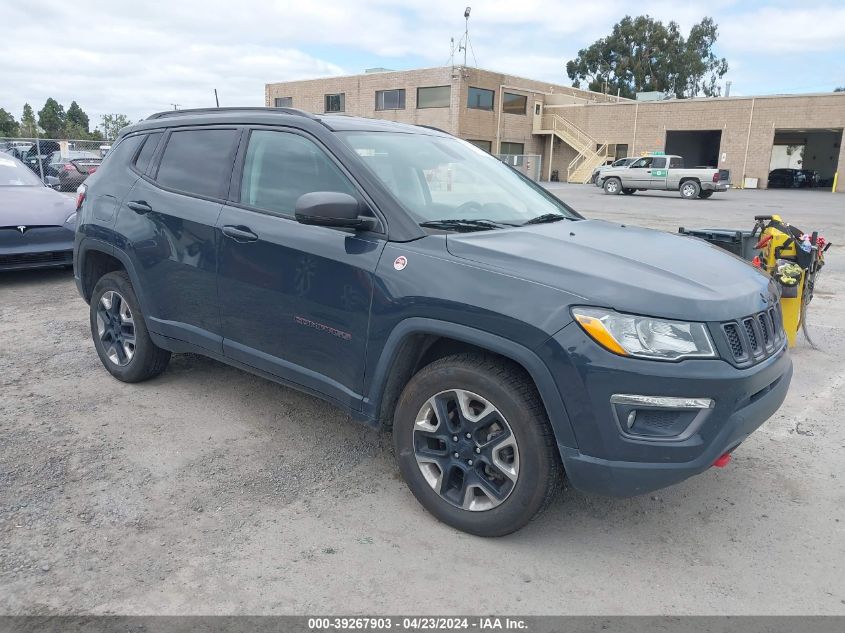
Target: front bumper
37, 247
609, 461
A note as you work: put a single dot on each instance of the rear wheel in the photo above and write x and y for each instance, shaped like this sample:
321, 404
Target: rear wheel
474, 444
120, 332
705, 194
613, 186
690, 189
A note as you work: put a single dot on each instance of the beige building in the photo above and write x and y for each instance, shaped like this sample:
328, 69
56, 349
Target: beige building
560, 131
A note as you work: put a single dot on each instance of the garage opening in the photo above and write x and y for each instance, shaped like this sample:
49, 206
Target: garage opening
700, 148
804, 158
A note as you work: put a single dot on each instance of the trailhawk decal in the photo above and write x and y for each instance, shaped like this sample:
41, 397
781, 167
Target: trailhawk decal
322, 327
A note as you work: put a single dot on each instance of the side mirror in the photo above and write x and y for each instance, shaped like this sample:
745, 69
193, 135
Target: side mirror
330, 208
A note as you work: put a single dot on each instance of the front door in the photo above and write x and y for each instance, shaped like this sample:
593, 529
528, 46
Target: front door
295, 299
638, 175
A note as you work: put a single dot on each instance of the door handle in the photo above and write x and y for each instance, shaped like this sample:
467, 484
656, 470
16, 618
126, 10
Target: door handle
649, 171
139, 206
239, 233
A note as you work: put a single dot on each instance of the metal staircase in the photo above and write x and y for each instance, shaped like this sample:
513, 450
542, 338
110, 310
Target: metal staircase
591, 154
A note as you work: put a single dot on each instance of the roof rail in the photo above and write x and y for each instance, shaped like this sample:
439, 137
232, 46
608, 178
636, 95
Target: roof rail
190, 111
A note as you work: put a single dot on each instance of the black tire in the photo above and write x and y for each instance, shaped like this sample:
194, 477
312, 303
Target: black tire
690, 189
612, 186
628, 191
705, 194
147, 360
513, 396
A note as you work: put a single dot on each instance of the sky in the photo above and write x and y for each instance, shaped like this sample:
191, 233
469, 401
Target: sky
140, 57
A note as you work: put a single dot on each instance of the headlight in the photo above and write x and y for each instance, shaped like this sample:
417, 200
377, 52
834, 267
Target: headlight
645, 337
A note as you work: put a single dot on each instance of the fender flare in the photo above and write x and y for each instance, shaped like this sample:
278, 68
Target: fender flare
536, 368
88, 244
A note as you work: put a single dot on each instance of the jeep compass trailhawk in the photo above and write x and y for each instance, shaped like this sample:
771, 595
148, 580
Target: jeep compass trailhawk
422, 285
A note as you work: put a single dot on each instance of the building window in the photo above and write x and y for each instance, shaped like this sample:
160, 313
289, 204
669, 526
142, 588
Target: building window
336, 103
390, 99
621, 150
480, 99
514, 104
434, 97
511, 149
283, 102
487, 146
538, 107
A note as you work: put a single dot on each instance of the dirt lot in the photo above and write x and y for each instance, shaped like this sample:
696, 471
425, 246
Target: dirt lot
209, 490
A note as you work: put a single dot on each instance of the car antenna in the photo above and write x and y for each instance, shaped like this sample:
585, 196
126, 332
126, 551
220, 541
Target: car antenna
216, 100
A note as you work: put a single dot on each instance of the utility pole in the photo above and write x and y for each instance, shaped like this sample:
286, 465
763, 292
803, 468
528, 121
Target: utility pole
216, 100
175, 105
466, 33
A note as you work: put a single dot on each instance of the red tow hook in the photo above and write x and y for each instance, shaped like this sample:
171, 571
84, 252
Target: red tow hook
723, 461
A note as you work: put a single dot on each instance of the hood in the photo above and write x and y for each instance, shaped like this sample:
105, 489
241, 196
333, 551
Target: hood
34, 206
627, 268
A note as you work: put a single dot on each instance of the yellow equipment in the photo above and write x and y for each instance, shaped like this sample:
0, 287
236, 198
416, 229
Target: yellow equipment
793, 259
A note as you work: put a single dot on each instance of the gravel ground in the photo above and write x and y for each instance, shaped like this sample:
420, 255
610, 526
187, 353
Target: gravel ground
210, 491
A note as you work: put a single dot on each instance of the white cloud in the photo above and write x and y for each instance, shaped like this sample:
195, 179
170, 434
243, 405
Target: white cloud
790, 30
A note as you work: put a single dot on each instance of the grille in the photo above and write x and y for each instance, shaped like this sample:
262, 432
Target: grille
754, 338
36, 258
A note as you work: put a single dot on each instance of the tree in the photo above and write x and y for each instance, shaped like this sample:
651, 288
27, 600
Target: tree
113, 123
8, 125
642, 54
28, 125
76, 122
51, 118
839, 89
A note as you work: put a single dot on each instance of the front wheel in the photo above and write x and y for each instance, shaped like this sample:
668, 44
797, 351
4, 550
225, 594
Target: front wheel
474, 444
612, 186
690, 189
120, 331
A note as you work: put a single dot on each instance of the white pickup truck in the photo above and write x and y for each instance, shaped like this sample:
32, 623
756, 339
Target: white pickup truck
666, 173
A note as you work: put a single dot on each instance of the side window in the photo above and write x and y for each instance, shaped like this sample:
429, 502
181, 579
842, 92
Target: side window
147, 151
641, 163
659, 163
198, 161
676, 162
123, 151
280, 166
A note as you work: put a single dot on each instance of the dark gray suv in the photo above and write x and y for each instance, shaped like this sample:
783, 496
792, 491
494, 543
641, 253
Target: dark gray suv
420, 284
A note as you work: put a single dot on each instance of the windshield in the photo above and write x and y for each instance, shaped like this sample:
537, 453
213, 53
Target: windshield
446, 179
13, 173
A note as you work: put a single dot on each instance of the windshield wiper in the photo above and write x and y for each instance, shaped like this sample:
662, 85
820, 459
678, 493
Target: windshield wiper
546, 218
463, 225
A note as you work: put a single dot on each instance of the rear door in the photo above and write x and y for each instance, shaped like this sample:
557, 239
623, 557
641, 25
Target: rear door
169, 220
659, 172
294, 299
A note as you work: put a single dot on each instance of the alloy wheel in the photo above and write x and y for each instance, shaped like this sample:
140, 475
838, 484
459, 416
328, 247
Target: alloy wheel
466, 450
689, 191
116, 328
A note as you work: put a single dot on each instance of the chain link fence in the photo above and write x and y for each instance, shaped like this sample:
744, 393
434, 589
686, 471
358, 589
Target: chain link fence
60, 163
529, 164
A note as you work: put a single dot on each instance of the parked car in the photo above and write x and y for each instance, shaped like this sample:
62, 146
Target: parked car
621, 162
789, 178
662, 172
38, 157
36, 223
17, 149
67, 172
420, 284
810, 178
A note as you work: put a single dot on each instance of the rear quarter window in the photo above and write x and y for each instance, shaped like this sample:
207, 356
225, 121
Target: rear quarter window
142, 162
198, 161
123, 151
